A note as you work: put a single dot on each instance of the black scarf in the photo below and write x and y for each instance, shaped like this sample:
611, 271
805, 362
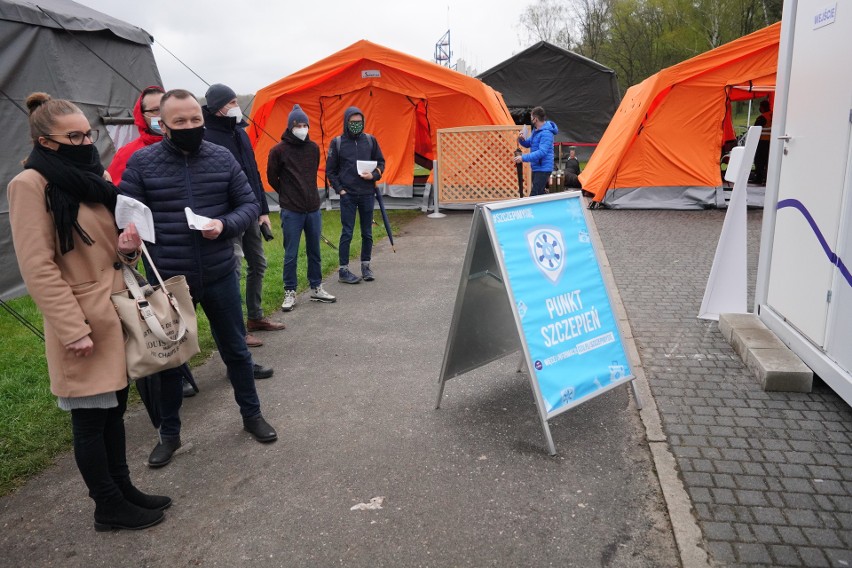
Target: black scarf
70, 183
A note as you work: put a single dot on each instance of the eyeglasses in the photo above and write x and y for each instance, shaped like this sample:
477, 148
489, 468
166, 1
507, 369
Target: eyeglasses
151, 111
77, 138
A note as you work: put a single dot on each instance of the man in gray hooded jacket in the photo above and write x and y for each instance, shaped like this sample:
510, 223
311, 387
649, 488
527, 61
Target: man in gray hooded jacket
356, 190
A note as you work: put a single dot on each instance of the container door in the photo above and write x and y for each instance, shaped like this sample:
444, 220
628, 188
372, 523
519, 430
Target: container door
839, 337
812, 171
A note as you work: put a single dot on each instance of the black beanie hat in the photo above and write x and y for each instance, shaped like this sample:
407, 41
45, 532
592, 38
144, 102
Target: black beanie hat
219, 95
296, 115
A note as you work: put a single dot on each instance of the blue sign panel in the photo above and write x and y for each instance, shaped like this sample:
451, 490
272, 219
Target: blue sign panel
568, 326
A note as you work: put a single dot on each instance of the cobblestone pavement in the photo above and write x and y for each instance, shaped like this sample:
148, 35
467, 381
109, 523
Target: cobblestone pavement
769, 474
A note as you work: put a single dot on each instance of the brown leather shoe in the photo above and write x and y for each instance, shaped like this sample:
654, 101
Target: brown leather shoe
264, 324
252, 341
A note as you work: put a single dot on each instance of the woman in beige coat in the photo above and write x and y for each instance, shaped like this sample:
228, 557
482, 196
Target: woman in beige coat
61, 209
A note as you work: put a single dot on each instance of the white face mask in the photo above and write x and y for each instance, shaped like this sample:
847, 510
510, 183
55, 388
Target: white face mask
300, 133
235, 112
155, 125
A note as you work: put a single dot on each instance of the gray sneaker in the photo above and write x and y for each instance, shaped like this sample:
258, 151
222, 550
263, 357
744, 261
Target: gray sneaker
345, 275
320, 295
366, 273
289, 300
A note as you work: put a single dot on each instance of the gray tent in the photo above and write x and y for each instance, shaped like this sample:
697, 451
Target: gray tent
578, 94
71, 52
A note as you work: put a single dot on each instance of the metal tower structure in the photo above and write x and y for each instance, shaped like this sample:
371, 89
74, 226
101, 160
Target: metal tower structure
443, 52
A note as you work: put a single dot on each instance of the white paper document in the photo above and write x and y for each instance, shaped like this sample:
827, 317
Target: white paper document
365, 166
196, 222
129, 210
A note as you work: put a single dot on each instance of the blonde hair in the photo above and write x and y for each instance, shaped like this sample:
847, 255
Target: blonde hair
44, 111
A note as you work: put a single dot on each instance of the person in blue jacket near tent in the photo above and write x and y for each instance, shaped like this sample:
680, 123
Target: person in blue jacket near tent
540, 143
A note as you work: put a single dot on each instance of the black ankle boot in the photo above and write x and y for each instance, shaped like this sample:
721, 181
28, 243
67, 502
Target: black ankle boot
118, 513
136, 497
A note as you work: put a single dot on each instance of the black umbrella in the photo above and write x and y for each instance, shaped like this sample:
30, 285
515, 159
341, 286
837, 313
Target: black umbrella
520, 166
328, 242
385, 217
149, 391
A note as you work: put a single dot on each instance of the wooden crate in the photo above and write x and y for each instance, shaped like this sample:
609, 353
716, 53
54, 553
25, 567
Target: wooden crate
475, 164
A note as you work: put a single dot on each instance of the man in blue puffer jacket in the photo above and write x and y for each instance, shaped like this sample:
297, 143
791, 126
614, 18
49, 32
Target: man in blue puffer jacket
540, 143
186, 171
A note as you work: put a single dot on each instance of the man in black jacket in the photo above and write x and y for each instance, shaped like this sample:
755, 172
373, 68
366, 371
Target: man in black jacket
224, 126
572, 169
356, 189
761, 155
186, 171
292, 171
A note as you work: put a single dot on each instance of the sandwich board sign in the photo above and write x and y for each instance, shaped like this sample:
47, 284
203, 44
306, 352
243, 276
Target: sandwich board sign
531, 281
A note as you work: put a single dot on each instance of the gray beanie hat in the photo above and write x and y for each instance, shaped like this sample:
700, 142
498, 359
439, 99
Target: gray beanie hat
296, 116
219, 95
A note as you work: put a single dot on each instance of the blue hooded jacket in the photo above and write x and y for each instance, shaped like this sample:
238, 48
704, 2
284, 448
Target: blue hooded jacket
540, 143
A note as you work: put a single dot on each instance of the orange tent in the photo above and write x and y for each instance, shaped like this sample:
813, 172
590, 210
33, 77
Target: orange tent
663, 146
405, 101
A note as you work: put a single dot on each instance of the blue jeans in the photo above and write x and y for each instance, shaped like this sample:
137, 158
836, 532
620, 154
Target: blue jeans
292, 226
539, 183
220, 301
252, 245
364, 205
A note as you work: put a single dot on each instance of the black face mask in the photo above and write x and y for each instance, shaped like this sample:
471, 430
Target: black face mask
188, 139
84, 155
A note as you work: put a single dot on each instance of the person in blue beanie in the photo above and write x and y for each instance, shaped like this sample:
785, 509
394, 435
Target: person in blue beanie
540, 144
292, 171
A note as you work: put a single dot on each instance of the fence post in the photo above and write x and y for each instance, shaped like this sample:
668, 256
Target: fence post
436, 214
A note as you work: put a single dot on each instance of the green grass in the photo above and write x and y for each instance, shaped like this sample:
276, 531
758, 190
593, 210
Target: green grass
32, 428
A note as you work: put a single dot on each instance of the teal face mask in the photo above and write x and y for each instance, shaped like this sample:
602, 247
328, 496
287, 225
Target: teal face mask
356, 127
155, 125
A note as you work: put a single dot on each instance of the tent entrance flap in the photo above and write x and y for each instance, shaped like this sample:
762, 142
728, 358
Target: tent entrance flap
423, 135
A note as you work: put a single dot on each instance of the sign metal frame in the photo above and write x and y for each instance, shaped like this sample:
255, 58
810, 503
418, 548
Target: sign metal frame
487, 325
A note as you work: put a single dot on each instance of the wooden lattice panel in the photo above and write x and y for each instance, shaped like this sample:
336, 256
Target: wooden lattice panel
475, 164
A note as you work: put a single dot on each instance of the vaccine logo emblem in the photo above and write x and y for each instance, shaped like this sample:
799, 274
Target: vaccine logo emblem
547, 248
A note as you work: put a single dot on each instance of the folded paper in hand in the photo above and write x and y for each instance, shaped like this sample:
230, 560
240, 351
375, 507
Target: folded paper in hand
197, 222
129, 210
365, 166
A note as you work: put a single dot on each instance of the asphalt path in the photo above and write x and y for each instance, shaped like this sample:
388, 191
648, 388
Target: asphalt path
353, 398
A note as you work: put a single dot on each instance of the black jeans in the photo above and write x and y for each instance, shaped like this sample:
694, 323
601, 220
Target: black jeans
349, 204
99, 448
220, 301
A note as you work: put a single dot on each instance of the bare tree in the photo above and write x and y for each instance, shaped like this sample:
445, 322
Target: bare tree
592, 22
547, 20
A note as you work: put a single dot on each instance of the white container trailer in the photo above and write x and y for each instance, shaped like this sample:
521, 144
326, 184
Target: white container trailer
804, 286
